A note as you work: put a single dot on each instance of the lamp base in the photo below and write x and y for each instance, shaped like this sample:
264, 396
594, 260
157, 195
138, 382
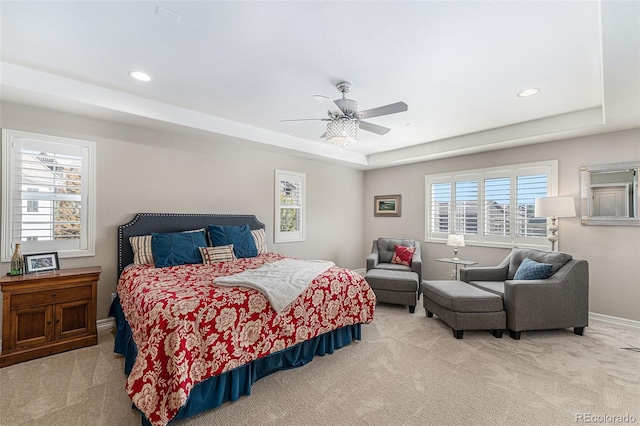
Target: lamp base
551, 236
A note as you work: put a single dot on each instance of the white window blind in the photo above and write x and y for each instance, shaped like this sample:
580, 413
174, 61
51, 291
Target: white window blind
466, 215
440, 206
47, 194
497, 206
290, 214
529, 188
493, 207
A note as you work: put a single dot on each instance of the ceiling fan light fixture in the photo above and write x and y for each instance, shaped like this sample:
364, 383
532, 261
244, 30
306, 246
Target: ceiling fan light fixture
342, 132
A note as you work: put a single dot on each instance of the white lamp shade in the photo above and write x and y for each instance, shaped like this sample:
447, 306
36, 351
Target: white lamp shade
455, 240
555, 207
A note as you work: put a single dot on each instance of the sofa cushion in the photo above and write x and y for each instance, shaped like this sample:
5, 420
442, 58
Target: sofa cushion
402, 255
495, 287
387, 247
393, 267
532, 270
554, 258
458, 296
380, 279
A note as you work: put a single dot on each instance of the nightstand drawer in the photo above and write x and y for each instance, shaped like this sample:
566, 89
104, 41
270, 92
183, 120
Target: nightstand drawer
50, 296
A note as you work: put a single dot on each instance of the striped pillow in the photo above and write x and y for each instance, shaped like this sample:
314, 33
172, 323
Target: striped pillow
142, 254
261, 240
217, 254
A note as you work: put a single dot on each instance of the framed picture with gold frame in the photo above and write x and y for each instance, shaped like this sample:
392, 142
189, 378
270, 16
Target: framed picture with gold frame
387, 205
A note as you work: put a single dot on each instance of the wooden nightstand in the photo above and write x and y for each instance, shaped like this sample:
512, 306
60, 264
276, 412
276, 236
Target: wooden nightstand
48, 313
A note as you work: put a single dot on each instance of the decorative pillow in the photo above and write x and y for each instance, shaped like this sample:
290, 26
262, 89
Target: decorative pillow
402, 255
518, 255
260, 239
177, 248
239, 236
142, 251
532, 270
217, 254
142, 254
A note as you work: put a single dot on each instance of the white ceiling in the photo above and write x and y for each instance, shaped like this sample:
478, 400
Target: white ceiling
237, 68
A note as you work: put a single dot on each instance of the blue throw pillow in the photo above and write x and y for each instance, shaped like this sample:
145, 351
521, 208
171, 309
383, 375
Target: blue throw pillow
532, 270
177, 248
240, 236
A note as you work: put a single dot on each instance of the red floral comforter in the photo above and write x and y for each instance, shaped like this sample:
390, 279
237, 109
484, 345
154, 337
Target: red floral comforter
187, 329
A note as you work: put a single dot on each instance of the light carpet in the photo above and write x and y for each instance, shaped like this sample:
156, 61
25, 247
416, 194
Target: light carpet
407, 370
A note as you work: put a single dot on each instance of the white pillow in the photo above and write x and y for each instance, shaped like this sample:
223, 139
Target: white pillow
260, 239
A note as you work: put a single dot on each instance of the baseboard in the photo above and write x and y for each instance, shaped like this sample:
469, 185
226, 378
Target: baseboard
614, 320
360, 271
106, 324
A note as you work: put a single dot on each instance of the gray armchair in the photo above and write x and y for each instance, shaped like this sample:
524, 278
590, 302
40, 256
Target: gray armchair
382, 253
559, 301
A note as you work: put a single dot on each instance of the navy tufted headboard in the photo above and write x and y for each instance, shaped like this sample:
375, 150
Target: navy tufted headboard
146, 223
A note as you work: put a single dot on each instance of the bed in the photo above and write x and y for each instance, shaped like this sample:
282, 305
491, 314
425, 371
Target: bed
191, 345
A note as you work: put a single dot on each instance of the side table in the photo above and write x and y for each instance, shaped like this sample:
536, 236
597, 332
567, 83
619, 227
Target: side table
456, 262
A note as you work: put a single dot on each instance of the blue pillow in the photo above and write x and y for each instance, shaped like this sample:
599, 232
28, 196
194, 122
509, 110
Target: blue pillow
177, 248
240, 236
532, 270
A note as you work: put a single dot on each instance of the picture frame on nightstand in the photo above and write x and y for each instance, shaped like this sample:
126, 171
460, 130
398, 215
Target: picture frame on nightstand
41, 262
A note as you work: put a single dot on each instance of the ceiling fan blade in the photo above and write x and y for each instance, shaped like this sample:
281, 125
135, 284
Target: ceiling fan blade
384, 110
374, 128
306, 119
330, 105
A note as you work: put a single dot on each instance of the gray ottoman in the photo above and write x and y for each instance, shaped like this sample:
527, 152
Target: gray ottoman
398, 287
464, 307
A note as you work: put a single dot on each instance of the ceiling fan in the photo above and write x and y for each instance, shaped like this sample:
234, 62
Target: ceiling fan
345, 119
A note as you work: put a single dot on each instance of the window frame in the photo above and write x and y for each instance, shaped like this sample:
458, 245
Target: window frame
86, 243
548, 168
300, 234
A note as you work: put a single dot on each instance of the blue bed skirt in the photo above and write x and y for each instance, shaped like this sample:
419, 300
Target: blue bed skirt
235, 383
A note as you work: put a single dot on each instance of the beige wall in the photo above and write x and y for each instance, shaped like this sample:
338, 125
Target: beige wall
141, 170
613, 252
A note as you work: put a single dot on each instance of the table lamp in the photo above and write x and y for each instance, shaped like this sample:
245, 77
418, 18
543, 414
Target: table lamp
455, 241
554, 207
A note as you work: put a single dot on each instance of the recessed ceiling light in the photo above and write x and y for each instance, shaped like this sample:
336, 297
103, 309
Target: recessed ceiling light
528, 92
139, 75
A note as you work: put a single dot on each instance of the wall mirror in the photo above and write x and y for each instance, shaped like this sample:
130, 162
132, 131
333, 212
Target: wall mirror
609, 194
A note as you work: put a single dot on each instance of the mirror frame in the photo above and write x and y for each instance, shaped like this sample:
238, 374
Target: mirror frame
585, 195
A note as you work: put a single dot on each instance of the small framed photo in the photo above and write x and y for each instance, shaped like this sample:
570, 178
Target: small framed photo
41, 262
387, 205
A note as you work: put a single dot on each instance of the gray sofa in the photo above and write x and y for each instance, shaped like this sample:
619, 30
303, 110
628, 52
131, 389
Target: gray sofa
559, 301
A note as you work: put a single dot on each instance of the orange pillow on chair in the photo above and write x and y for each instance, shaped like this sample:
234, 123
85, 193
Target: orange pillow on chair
402, 255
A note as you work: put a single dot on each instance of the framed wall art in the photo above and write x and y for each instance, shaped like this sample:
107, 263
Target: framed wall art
387, 205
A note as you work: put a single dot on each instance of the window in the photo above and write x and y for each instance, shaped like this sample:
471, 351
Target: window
492, 207
48, 194
290, 214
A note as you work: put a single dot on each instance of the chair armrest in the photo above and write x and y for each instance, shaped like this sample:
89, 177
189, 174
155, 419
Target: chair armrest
559, 301
484, 273
372, 260
416, 266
